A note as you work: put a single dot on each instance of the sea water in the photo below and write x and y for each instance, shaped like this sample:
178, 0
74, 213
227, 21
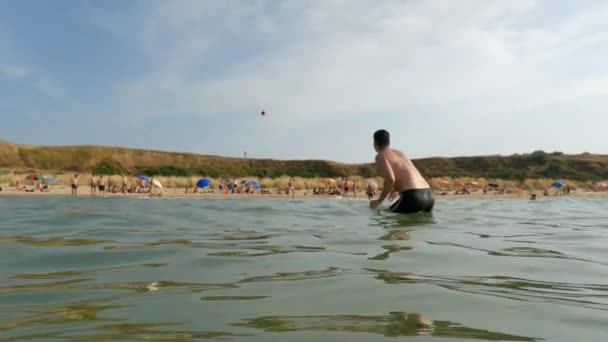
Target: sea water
302, 270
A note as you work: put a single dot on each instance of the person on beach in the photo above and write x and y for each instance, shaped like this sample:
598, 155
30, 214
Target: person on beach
354, 187
371, 190
19, 186
400, 176
102, 186
75, 185
345, 182
125, 184
291, 190
93, 184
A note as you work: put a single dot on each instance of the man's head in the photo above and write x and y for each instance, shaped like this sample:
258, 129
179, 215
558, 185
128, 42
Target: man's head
382, 139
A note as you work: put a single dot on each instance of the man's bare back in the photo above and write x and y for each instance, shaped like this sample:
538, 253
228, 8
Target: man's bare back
406, 175
401, 178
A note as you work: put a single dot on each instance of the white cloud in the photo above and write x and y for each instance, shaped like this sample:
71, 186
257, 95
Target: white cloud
14, 71
309, 59
50, 88
36, 80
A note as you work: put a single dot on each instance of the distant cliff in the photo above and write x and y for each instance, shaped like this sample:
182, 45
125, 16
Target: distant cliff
116, 160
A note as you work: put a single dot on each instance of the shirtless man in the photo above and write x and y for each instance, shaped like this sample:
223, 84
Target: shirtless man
371, 190
400, 176
75, 185
291, 191
125, 183
102, 186
345, 189
93, 184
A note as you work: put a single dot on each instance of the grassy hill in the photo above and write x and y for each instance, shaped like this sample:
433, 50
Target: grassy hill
116, 160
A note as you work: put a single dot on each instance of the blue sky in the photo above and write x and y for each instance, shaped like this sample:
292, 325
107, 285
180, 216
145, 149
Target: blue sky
444, 77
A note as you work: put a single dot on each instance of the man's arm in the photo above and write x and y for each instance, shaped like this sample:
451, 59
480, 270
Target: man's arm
389, 179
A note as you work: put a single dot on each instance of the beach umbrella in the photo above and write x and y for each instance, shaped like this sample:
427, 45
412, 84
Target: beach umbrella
252, 182
443, 182
328, 181
493, 185
203, 183
35, 176
558, 184
157, 183
459, 183
144, 178
50, 179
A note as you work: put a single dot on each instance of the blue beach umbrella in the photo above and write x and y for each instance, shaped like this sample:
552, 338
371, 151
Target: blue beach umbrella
144, 178
558, 185
50, 179
252, 182
203, 183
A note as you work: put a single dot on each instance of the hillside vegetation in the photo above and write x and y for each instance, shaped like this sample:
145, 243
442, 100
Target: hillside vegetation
116, 160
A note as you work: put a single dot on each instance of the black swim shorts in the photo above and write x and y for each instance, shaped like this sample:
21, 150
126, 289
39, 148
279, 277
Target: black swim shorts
414, 201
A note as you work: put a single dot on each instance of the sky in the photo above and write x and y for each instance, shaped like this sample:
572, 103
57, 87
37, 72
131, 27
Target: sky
444, 77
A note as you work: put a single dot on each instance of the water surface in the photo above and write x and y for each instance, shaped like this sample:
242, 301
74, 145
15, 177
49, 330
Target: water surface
302, 270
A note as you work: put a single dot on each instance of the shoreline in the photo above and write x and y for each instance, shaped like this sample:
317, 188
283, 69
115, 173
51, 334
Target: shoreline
178, 193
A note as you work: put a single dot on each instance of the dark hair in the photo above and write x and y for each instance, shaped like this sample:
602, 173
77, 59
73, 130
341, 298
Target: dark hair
382, 138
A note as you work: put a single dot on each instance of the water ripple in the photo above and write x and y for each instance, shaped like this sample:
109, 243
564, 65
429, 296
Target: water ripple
264, 269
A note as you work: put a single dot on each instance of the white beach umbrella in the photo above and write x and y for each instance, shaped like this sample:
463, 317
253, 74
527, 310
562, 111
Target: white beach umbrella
157, 183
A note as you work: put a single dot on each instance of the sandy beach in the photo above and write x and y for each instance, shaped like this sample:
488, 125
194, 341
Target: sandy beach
84, 191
